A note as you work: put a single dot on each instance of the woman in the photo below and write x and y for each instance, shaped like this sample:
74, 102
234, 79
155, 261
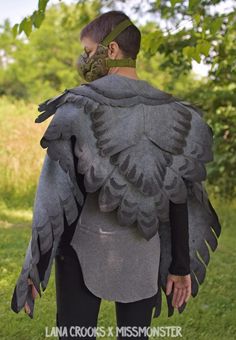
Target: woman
117, 254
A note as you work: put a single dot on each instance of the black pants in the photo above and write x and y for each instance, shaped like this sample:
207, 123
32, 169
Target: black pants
78, 306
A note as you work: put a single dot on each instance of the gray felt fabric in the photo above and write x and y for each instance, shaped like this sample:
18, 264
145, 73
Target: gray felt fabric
118, 264
139, 148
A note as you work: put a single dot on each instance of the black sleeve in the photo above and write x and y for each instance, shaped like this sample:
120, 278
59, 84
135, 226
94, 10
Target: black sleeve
180, 264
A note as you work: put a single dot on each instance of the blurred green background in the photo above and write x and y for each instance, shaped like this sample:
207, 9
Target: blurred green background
37, 61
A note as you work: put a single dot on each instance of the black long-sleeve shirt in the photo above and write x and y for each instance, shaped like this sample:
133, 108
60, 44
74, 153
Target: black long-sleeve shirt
180, 264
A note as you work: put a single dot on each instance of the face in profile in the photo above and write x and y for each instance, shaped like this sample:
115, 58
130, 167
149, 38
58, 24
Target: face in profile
89, 46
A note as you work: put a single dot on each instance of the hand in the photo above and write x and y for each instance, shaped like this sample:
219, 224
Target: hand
34, 295
182, 288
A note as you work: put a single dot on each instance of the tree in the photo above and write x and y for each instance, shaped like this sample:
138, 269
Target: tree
45, 64
181, 43
193, 30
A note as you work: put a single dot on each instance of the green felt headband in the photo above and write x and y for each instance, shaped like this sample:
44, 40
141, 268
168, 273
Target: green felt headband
129, 62
116, 31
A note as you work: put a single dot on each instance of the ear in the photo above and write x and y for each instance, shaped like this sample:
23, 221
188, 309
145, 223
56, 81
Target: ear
113, 50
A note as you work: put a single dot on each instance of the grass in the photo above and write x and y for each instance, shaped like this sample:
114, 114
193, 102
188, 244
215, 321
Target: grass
211, 315
21, 155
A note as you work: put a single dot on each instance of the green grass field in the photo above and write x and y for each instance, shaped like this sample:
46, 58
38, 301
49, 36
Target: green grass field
211, 315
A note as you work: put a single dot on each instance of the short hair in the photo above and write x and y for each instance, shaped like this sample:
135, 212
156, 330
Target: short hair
128, 40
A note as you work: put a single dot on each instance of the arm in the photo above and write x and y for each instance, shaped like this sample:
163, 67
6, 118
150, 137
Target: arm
179, 278
180, 264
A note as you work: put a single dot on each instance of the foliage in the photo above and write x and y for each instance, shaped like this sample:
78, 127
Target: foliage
35, 20
217, 98
181, 42
40, 67
47, 63
221, 114
195, 30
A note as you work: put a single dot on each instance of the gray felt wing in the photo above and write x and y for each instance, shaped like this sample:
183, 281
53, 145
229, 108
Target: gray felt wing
127, 154
56, 196
204, 225
140, 158
204, 231
137, 157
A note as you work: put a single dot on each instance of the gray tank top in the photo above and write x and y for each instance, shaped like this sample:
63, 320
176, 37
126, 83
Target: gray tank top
117, 263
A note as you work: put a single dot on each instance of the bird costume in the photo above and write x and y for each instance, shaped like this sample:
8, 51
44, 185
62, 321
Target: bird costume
139, 148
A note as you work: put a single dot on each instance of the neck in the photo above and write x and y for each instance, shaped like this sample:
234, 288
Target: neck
129, 72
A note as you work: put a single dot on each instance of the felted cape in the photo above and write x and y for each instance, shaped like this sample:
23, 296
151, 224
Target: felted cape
141, 148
